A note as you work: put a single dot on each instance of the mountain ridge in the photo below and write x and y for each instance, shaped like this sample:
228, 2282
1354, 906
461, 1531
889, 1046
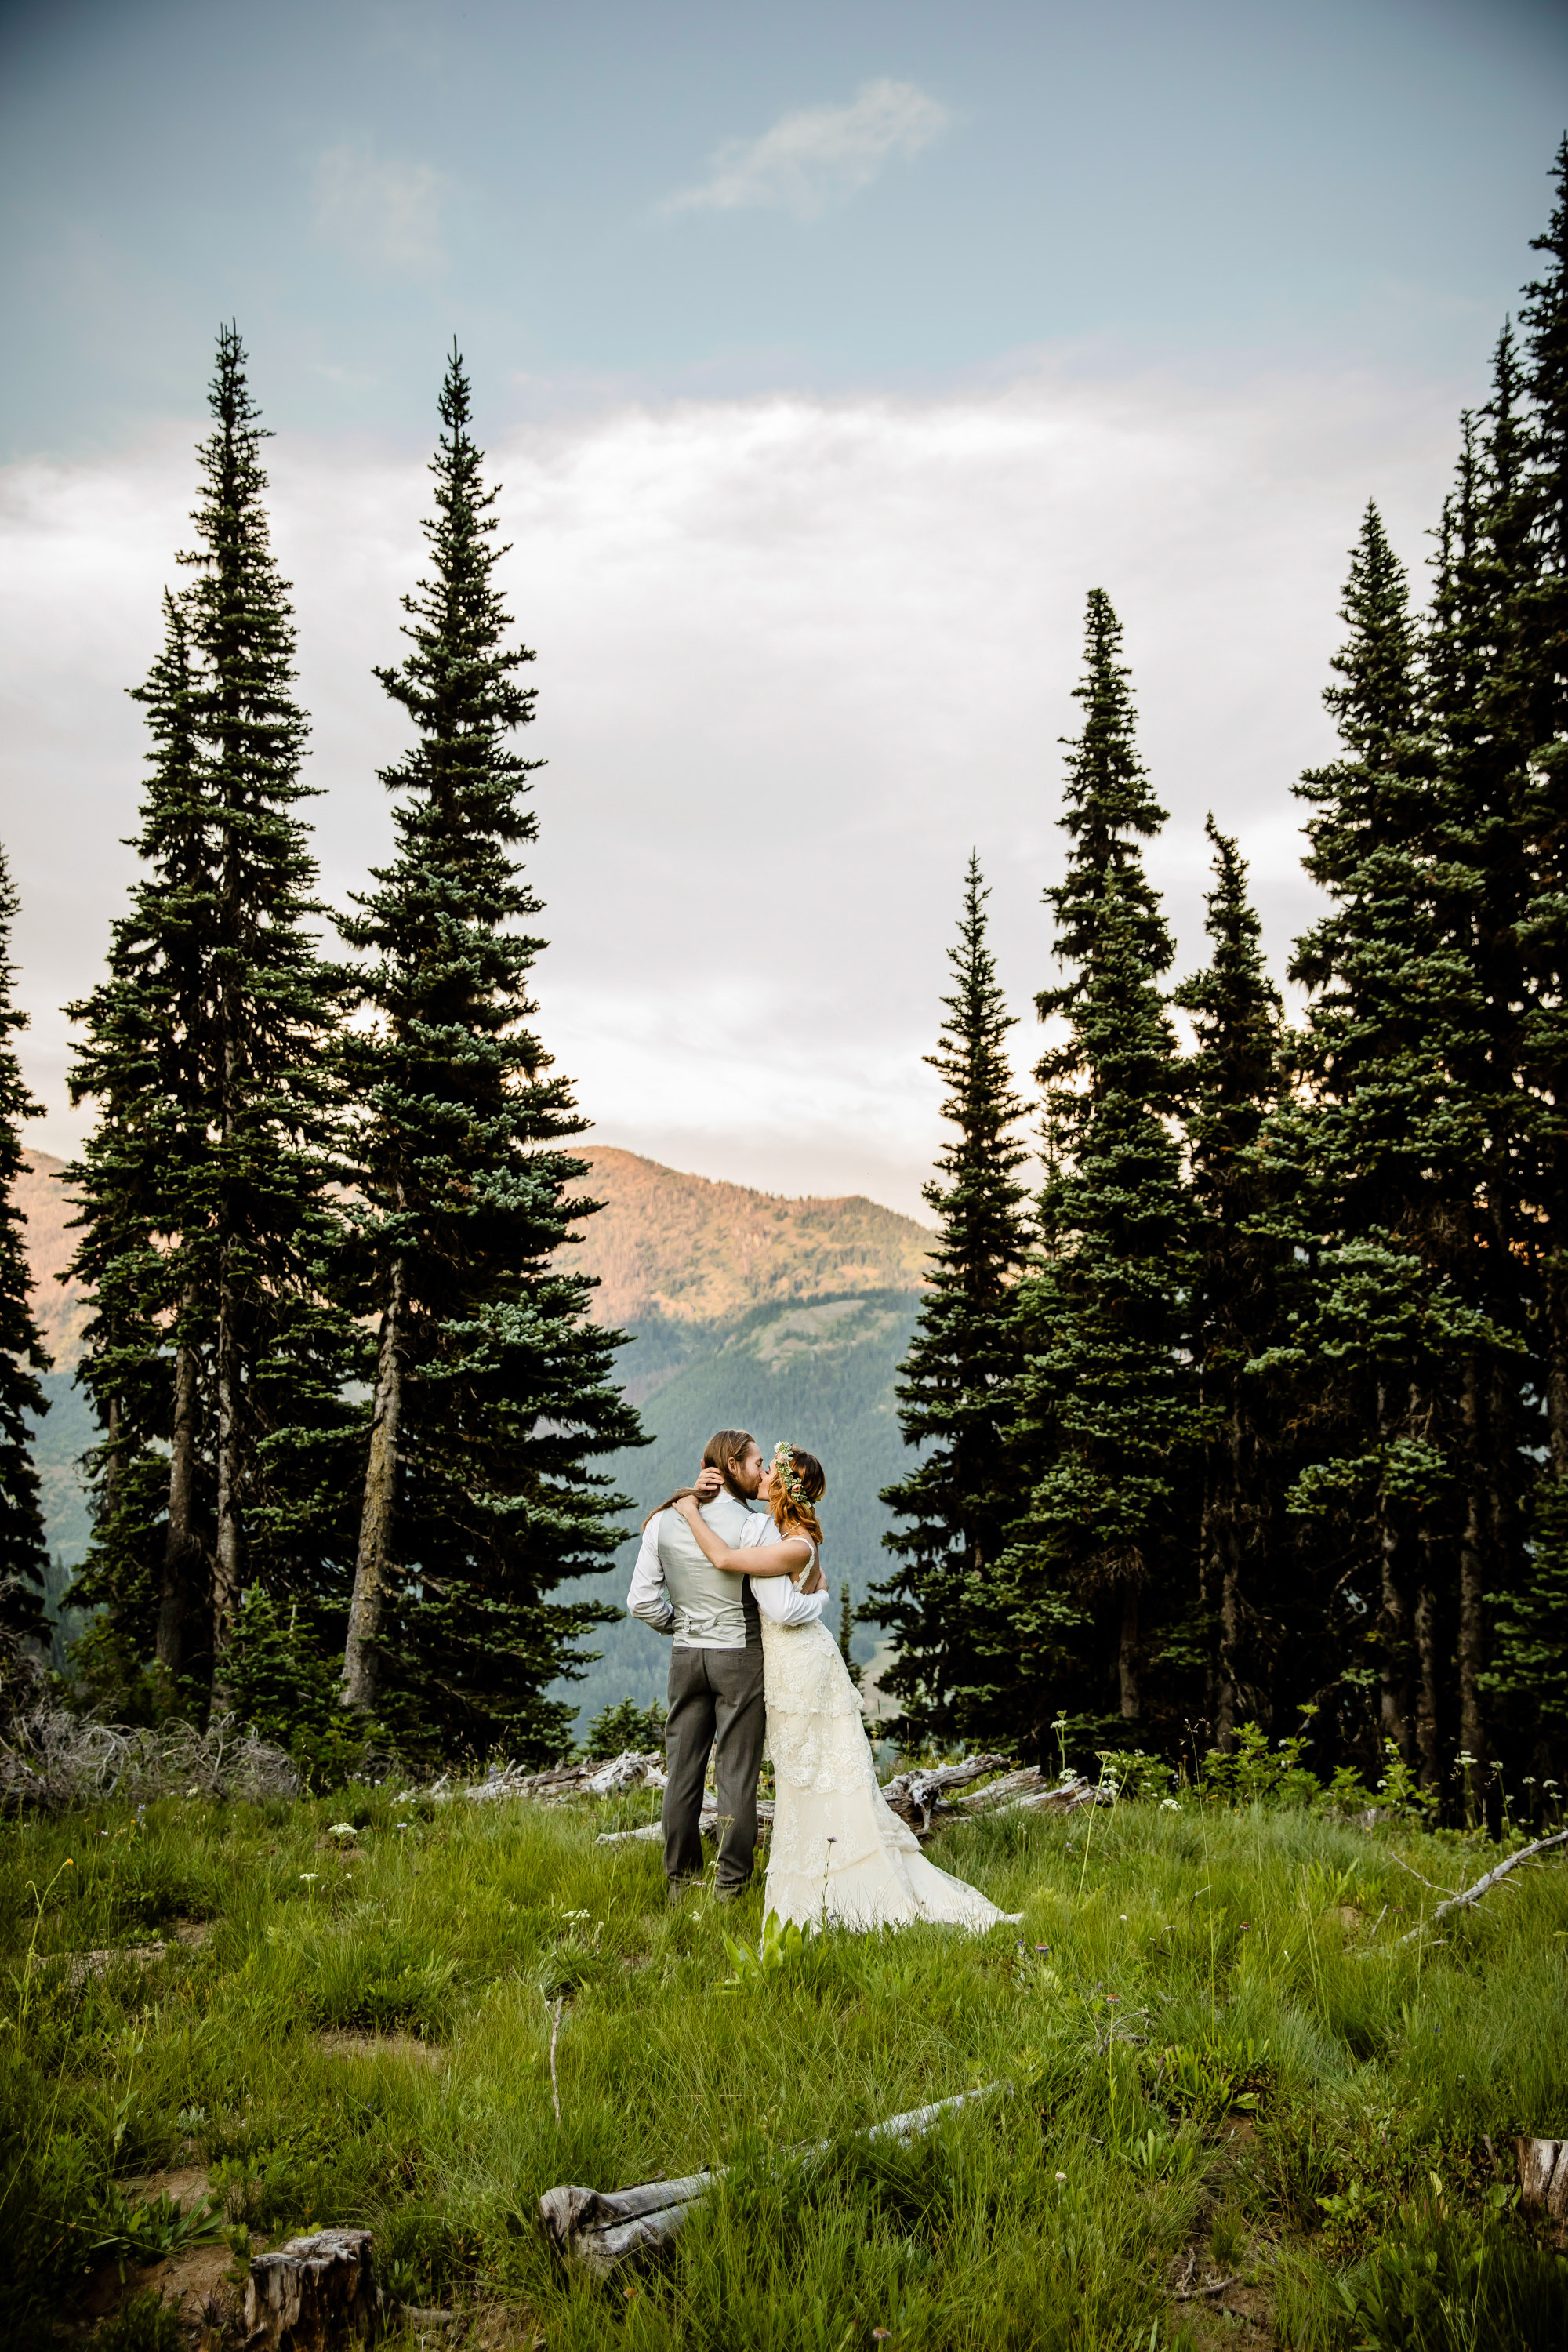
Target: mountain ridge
669, 1251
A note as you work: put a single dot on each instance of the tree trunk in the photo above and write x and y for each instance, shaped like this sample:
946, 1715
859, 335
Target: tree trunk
1557, 1365
1472, 1588
228, 1569
1126, 1662
1232, 1637
1426, 1735
182, 1545
373, 1561
1393, 1617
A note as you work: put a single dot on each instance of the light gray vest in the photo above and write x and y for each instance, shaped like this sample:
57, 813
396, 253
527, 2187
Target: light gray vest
713, 1609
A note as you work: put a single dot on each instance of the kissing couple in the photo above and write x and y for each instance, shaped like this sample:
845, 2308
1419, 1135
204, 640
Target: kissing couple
741, 1592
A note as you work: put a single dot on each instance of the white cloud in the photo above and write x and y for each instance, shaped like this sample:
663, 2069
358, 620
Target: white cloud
374, 210
819, 155
794, 657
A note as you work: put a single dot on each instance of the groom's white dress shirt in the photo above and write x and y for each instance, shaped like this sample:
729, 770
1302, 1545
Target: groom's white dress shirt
741, 1529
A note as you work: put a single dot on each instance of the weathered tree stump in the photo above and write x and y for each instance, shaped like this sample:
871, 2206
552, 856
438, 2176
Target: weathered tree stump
1543, 2180
311, 2294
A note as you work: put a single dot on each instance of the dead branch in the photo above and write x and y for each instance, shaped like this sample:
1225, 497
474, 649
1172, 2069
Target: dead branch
555, 2037
597, 2230
1196, 2294
53, 1760
1472, 1895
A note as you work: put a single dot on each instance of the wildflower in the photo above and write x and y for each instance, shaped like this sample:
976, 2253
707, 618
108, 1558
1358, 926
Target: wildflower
1061, 2176
67, 1864
308, 1876
574, 1914
341, 1829
1042, 1948
1122, 1916
1169, 1805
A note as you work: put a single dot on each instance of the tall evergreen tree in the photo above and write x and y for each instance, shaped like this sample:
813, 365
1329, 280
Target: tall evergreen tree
206, 1191
1529, 1676
143, 1059
24, 1560
493, 1395
279, 1352
956, 1383
1237, 1078
1389, 1144
1101, 1556
1104, 1423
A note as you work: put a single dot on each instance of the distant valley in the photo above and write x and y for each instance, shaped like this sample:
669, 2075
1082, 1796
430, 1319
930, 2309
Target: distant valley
785, 1316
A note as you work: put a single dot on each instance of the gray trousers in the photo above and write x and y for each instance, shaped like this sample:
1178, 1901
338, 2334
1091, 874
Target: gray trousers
715, 1701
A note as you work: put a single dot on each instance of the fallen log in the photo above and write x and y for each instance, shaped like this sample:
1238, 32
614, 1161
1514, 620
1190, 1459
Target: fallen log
312, 2292
914, 1796
1030, 1792
1543, 2180
597, 2230
630, 1769
1472, 1895
707, 1822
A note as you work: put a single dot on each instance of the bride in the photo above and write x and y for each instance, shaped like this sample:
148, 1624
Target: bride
838, 1851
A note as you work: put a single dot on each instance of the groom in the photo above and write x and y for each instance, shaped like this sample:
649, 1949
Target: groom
715, 1665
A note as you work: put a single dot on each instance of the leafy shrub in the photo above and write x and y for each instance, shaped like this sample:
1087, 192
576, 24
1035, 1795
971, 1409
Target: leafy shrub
1453, 2283
284, 1681
625, 1726
145, 2324
147, 2229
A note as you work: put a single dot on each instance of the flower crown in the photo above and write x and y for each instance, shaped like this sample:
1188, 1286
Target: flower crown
788, 1475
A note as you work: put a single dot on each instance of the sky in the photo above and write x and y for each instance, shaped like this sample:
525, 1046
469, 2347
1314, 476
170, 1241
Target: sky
827, 358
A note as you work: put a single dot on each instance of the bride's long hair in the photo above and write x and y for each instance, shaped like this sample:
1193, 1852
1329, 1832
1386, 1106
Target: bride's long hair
800, 1482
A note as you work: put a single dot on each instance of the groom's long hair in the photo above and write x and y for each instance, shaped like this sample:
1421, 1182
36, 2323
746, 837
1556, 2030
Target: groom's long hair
725, 1445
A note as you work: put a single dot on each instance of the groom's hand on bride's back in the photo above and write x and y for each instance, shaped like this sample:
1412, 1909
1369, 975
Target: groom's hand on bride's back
706, 1483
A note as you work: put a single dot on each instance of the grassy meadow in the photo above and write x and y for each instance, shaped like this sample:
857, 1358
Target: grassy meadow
1226, 2067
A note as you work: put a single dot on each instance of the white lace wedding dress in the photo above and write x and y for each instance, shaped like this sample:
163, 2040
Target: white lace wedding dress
839, 1853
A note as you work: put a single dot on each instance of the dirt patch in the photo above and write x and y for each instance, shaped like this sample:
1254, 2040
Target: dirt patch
188, 1935
184, 2185
339, 2041
204, 2286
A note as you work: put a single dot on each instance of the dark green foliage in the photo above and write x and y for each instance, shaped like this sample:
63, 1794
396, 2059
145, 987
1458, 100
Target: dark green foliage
282, 1676
24, 1559
142, 1061
494, 1401
144, 2323
615, 1729
1106, 1426
1379, 1163
957, 1381
1236, 1078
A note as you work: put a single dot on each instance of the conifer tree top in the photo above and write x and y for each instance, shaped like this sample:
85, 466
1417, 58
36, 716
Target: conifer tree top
1110, 809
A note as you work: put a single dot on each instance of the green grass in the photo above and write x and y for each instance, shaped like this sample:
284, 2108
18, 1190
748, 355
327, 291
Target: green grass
1219, 2056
